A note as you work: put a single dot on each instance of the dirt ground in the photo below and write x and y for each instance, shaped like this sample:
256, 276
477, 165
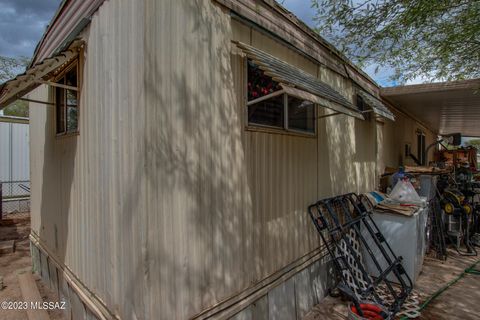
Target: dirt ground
17, 227
460, 301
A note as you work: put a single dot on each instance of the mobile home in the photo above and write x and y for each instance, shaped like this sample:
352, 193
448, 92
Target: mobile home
175, 147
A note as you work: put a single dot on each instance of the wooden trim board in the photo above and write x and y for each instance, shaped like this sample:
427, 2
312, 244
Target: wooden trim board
89, 299
30, 295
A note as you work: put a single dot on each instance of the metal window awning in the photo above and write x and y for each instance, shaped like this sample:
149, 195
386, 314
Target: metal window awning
41, 72
299, 83
376, 105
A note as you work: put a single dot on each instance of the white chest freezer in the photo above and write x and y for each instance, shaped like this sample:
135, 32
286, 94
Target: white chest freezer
406, 235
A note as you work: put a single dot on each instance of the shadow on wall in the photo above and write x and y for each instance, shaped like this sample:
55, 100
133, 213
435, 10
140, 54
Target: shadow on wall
198, 241
57, 178
338, 143
56, 192
365, 154
192, 244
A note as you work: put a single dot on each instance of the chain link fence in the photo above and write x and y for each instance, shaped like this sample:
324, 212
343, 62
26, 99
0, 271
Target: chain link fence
14, 197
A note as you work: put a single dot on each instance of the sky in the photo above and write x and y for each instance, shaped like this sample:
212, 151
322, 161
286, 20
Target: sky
22, 23
301, 8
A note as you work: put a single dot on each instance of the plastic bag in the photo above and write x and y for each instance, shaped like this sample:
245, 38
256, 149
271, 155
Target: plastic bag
404, 192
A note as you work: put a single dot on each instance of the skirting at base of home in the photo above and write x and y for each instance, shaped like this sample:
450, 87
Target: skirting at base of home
80, 302
287, 294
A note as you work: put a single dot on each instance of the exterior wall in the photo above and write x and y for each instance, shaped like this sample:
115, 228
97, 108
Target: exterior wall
394, 137
167, 204
88, 199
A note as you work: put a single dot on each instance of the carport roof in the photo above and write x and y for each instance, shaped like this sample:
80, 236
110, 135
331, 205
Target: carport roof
444, 107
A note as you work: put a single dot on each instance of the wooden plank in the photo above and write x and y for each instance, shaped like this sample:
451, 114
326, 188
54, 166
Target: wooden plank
30, 294
7, 246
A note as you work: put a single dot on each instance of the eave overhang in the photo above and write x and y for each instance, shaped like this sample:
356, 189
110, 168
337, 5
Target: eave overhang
299, 83
445, 107
22, 84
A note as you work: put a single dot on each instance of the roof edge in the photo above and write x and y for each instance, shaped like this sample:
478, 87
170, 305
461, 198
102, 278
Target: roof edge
14, 119
67, 21
473, 84
305, 28
49, 27
239, 6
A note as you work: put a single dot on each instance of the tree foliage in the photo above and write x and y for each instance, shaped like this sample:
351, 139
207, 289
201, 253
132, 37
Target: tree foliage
416, 38
473, 143
9, 67
18, 108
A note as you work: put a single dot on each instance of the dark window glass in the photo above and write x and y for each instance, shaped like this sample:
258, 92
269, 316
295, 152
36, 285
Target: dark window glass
269, 112
362, 107
301, 115
71, 77
259, 84
421, 148
67, 103
360, 103
60, 107
72, 114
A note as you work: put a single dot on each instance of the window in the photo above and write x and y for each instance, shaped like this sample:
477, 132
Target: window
66, 101
301, 114
361, 104
362, 107
268, 105
421, 148
268, 112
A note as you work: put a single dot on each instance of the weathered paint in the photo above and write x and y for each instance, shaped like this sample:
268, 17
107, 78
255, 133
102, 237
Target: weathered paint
88, 206
65, 21
166, 203
396, 134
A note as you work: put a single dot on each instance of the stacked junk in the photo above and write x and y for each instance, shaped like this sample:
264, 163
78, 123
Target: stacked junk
377, 242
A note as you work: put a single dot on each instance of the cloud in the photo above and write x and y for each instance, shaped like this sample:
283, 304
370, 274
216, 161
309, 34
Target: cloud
22, 23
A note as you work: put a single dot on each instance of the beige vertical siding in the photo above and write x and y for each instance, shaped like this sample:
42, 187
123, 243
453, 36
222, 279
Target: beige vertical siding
165, 204
396, 134
347, 156
88, 191
199, 241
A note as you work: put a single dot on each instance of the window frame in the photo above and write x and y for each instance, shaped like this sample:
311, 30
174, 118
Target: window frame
421, 147
74, 64
281, 130
363, 107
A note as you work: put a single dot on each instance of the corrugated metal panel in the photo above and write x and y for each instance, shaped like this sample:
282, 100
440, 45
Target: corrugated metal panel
377, 106
444, 107
5, 143
88, 201
394, 137
321, 102
288, 74
152, 202
44, 70
200, 239
283, 182
66, 20
164, 204
14, 155
20, 152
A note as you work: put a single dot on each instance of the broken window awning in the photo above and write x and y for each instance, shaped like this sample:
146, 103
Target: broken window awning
299, 83
376, 105
16, 88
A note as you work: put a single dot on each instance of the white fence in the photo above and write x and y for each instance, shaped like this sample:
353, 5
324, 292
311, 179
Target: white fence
14, 164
